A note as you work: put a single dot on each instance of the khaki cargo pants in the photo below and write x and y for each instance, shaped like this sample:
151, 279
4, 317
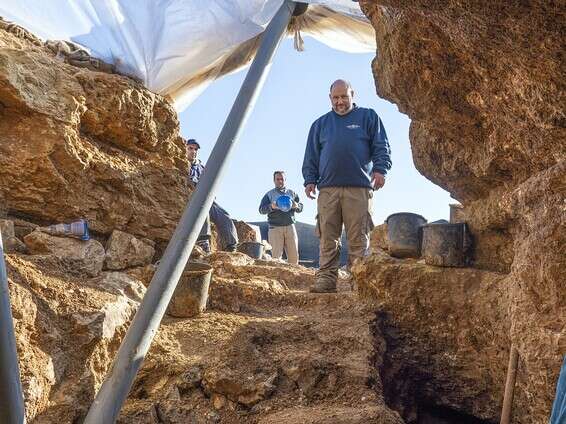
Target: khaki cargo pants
337, 206
284, 237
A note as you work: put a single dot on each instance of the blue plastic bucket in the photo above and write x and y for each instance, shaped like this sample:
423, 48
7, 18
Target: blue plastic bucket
284, 203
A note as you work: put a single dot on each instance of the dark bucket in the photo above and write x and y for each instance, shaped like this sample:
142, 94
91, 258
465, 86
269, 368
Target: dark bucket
404, 233
191, 294
253, 249
446, 244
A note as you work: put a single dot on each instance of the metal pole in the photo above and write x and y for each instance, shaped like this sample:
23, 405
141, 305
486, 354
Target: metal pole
11, 396
510, 386
114, 390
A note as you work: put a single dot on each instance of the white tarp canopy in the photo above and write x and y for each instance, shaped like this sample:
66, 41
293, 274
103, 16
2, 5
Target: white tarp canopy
176, 47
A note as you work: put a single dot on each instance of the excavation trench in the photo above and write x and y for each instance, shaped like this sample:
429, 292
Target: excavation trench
407, 385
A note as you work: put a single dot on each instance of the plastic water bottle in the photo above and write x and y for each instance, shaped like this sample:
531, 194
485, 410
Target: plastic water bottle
74, 229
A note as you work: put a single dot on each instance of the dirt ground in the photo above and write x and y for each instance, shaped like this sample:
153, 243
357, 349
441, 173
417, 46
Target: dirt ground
267, 351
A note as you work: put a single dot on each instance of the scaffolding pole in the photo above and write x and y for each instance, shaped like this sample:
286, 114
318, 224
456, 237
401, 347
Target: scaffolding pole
115, 388
11, 396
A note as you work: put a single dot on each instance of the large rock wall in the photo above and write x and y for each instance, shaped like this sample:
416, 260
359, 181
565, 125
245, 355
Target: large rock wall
483, 84
81, 144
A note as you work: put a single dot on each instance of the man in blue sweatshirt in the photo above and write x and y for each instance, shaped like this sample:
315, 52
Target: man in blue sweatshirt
217, 214
282, 232
346, 157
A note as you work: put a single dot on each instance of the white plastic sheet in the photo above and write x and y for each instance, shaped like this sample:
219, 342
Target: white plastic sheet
176, 47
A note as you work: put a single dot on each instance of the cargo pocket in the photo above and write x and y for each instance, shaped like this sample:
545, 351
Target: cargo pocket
317, 227
368, 224
367, 227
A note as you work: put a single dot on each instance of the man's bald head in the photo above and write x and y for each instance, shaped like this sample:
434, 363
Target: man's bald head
341, 96
342, 83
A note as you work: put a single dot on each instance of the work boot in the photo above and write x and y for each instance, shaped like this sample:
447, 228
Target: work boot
324, 286
231, 248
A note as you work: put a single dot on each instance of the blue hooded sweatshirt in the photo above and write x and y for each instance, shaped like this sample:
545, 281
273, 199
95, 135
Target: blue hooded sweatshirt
342, 150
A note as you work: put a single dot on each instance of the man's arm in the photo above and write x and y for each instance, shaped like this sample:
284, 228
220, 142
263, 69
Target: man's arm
298, 205
312, 157
380, 150
195, 172
265, 205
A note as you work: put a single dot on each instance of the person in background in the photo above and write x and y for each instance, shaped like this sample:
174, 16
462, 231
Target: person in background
282, 233
217, 214
346, 157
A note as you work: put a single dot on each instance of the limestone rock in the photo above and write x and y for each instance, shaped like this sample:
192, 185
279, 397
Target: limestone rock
247, 232
105, 323
9, 240
36, 365
67, 332
142, 273
470, 84
79, 143
124, 251
122, 284
82, 256
246, 392
7, 229
225, 295
378, 238
22, 227
228, 261
479, 82
16, 245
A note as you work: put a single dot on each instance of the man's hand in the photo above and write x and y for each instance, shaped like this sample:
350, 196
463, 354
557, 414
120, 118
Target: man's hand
310, 191
377, 180
274, 206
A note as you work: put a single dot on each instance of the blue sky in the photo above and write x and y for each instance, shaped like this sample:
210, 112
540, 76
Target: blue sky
294, 95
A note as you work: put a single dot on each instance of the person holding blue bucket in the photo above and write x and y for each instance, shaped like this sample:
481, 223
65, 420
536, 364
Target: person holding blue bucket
280, 205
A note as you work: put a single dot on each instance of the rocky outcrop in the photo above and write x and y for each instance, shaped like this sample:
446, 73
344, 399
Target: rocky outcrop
81, 144
480, 81
123, 251
79, 256
68, 328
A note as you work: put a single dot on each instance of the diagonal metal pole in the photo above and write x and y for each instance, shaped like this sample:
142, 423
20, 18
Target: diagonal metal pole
11, 396
114, 390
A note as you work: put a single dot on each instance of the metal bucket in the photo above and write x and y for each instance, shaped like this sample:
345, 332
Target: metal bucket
404, 234
446, 244
253, 249
191, 294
